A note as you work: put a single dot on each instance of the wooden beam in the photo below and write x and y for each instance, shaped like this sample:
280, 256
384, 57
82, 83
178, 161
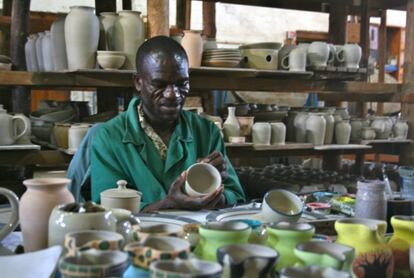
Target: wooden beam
127, 5
7, 6
187, 15
338, 24
209, 20
408, 109
181, 11
158, 18
382, 47
105, 6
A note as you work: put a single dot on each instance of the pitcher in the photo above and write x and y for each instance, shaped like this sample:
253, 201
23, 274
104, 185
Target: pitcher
373, 258
8, 127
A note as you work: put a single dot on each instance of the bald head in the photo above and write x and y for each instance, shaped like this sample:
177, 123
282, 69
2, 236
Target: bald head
162, 51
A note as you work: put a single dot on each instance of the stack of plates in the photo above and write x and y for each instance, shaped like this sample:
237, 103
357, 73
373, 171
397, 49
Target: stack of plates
221, 57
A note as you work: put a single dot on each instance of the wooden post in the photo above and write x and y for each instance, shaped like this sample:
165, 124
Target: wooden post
7, 5
209, 19
18, 35
180, 17
126, 5
407, 156
105, 6
158, 18
382, 47
187, 15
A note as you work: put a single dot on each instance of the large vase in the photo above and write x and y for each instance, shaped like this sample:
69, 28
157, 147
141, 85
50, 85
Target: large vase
373, 257
193, 45
33, 55
39, 51
330, 128
356, 128
261, 133
129, 35
342, 132
36, 205
107, 37
57, 33
48, 63
231, 126
315, 129
27, 54
81, 37
300, 127
400, 129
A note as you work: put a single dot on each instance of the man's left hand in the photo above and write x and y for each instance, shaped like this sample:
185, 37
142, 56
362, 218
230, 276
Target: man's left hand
217, 160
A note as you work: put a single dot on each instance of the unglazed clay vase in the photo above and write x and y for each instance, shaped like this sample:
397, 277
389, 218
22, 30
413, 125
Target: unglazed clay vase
300, 127
318, 54
231, 127
315, 129
400, 129
278, 133
283, 237
400, 243
193, 45
36, 205
330, 128
129, 35
39, 52
383, 127
47, 52
57, 33
32, 52
247, 260
373, 257
261, 133
356, 128
342, 132
107, 39
351, 55
81, 37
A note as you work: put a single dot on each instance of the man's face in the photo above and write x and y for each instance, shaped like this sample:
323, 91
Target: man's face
164, 84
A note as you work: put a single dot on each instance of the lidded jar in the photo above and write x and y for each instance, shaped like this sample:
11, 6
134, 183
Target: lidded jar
371, 201
121, 197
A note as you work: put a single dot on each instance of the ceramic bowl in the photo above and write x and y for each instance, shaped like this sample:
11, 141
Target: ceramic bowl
100, 240
157, 248
281, 205
202, 179
312, 272
192, 268
111, 59
94, 264
142, 231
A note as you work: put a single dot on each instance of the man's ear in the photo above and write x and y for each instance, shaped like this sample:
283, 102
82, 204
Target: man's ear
137, 82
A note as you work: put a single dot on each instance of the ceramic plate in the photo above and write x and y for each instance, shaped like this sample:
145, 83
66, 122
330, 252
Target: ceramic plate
158, 218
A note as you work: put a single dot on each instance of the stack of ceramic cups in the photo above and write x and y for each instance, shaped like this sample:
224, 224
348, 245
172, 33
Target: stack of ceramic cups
221, 57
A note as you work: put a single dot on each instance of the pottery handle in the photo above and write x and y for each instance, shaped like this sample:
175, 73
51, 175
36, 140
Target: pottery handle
26, 126
14, 219
340, 56
331, 58
285, 62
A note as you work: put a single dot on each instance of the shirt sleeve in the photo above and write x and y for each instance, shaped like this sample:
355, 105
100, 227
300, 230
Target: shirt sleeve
233, 191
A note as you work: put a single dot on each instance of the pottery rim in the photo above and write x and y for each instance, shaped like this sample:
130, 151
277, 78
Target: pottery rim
153, 241
240, 251
372, 224
229, 226
301, 227
49, 182
203, 268
83, 237
332, 249
128, 12
404, 217
289, 193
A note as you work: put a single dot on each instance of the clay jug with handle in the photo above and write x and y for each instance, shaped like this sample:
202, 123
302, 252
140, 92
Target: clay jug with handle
8, 127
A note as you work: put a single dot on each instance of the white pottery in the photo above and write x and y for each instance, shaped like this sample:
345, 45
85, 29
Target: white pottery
202, 179
39, 52
257, 58
332, 54
185, 269
351, 55
400, 129
47, 52
281, 205
79, 241
343, 112
368, 133
129, 35
300, 127
57, 33
75, 135
125, 223
318, 54
261, 133
295, 61
121, 197
284, 52
278, 136
27, 54
356, 128
342, 132
382, 126
315, 129
8, 127
330, 128
110, 59
81, 37
290, 132
339, 57
193, 45
313, 272
14, 217
108, 21
24, 127
231, 127
209, 43
32, 52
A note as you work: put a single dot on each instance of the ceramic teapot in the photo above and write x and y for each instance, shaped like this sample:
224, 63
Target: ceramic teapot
121, 197
14, 218
9, 127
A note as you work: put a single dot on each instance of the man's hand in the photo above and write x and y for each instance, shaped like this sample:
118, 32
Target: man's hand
217, 160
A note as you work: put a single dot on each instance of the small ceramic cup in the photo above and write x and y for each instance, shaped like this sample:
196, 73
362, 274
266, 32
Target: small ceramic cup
157, 248
142, 231
100, 240
202, 179
192, 268
281, 205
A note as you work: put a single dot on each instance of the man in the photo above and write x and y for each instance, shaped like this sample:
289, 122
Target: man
153, 143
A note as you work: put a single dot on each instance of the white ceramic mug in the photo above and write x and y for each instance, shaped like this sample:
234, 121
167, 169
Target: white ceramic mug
281, 205
9, 127
318, 54
14, 218
202, 179
75, 135
295, 61
351, 55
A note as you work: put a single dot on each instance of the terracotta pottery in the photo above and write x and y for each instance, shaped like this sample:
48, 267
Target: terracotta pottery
47, 52
261, 133
107, 38
315, 129
342, 132
300, 127
231, 127
81, 37
400, 129
129, 35
36, 205
278, 133
193, 45
57, 33
330, 128
39, 52
373, 257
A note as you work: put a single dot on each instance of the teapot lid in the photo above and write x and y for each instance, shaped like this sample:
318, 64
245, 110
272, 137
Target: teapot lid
121, 192
2, 110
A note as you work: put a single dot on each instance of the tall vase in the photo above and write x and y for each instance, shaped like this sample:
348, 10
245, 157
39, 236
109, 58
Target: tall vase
400, 129
193, 45
315, 129
300, 127
342, 132
231, 126
81, 37
27, 54
278, 133
36, 205
39, 52
129, 35
107, 38
261, 133
330, 128
33, 55
57, 33
47, 52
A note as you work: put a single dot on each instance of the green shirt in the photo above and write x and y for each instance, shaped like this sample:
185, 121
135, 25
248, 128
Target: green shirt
122, 150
